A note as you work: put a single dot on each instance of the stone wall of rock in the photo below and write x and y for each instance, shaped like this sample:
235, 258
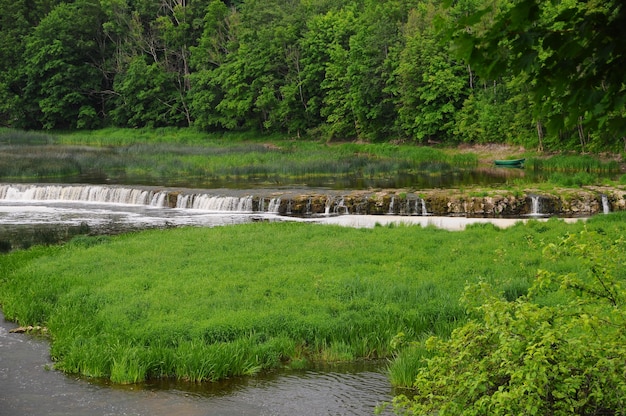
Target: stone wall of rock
566, 202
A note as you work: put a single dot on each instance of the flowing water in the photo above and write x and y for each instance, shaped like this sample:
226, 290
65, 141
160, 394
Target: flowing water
29, 387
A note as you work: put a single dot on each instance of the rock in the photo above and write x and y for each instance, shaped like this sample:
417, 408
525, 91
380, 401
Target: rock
29, 330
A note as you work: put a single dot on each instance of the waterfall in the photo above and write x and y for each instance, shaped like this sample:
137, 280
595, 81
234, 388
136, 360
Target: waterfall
606, 205
329, 203
391, 205
422, 203
207, 202
101, 194
341, 205
274, 205
83, 193
535, 205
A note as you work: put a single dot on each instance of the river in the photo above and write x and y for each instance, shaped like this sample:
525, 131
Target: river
28, 386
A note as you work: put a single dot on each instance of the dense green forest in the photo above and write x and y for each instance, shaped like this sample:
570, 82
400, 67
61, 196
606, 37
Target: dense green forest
540, 74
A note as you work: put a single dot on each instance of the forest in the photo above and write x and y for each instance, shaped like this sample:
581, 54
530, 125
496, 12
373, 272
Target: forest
538, 74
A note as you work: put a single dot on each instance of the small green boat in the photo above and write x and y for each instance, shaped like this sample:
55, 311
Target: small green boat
510, 162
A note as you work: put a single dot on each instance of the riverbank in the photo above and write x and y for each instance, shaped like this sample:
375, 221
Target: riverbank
187, 158
210, 303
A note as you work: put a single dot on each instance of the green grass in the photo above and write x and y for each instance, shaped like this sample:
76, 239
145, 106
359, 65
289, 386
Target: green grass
166, 155
159, 155
209, 303
572, 163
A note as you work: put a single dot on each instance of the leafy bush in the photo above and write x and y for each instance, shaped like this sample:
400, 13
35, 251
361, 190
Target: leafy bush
559, 350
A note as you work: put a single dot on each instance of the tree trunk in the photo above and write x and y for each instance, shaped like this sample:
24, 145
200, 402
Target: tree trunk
540, 136
581, 134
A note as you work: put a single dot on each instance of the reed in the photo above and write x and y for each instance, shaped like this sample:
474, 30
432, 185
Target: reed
169, 155
20, 137
573, 180
205, 304
572, 163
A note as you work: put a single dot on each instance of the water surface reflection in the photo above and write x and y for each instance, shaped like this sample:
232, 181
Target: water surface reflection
28, 387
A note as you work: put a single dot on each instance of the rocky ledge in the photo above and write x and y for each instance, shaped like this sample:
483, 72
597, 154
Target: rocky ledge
476, 203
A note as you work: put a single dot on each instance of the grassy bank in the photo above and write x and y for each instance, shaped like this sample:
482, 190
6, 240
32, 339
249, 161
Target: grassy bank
205, 304
163, 155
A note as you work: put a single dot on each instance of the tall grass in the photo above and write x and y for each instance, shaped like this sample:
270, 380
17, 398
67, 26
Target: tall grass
167, 155
204, 304
572, 163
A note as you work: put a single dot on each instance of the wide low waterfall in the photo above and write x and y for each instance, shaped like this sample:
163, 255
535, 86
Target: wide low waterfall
101, 194
80, 193
318, 202
283, 202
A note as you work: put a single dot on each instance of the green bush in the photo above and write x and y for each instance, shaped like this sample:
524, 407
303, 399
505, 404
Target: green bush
559, 350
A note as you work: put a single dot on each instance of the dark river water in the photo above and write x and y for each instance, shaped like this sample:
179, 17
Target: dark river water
29, 387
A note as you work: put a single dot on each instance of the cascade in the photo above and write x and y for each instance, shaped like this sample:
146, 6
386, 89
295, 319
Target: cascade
422, 203
82, 193
274, 205
215, 203
308, 206
391, 205
341, 205
159, 199
405, 208
329, 203
535, 206
606, 205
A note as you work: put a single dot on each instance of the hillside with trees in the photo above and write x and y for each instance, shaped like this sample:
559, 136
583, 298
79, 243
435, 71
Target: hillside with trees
538, 74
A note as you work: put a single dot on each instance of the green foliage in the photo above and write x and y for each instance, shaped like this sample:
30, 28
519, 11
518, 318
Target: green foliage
432, 86
60, 67
358, 69
569, 50
192, 304
557, 350
147, 97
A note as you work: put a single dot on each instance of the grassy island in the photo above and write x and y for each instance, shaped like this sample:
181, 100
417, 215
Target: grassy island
210, 303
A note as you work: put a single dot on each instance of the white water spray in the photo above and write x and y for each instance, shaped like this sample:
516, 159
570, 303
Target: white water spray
422, 204
274, 206
606, 205
82, 193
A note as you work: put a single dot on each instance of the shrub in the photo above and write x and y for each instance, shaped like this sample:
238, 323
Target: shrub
558, 350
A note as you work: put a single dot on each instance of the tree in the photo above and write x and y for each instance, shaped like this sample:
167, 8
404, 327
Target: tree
61, 59
558, 350
219, 36
17, 20
331, 64
432, 85
370, 68
146, 96
324, 42
574, 51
